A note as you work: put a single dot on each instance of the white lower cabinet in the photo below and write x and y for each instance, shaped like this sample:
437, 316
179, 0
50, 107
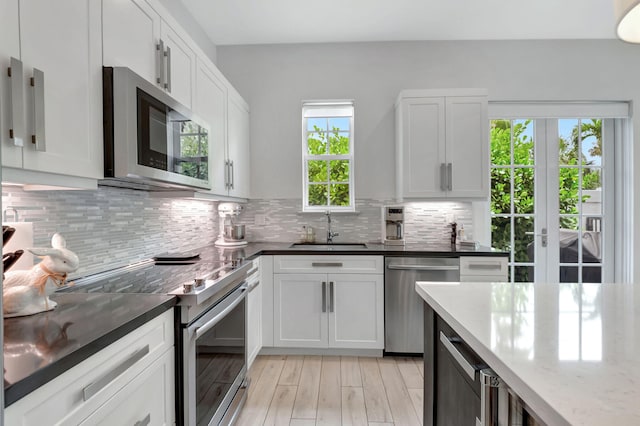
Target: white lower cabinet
254, 313
328, 310
122, 384
147, 400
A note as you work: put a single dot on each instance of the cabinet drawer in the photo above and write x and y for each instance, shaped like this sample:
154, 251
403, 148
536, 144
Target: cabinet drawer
483, 266
328, 264
78, 392
147, 400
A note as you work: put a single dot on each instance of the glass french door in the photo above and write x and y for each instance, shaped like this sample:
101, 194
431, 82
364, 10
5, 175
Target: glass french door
550, 181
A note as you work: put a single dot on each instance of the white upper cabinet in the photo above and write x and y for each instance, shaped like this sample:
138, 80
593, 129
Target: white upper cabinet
131, 37
442, 144
136, 36
210, 103
180, 66
54, 106
238, 146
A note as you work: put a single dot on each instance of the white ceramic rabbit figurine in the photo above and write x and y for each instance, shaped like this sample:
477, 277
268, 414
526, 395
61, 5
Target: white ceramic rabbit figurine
27, 292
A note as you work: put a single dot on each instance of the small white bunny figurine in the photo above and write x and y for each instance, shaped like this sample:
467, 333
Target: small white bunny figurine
27, 292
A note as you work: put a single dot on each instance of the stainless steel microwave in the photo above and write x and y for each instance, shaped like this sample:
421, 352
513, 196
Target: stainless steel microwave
151, 142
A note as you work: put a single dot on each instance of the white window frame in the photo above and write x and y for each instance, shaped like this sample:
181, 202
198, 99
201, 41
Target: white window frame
328, 109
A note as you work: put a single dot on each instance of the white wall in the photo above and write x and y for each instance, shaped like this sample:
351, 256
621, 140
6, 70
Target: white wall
274, 79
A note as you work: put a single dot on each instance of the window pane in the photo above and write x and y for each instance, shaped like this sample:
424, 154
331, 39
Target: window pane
569, 189
317, 143
568, 141
523, 142
339, 194
339, 123
317, 170
569, 222
592, 274
523, 250
591, 191
339, 170
568, 246
339, 143
317, 195
523, 190
501, 233
500, 191
501, 142
523, 274
316, 124
591, 132
568, 274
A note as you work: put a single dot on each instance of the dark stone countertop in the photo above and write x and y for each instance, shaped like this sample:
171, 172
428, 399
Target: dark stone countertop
40, 347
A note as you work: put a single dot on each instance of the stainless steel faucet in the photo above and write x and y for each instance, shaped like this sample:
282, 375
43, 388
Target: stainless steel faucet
330, 233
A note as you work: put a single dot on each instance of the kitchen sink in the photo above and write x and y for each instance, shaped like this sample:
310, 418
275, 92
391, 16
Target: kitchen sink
332, 246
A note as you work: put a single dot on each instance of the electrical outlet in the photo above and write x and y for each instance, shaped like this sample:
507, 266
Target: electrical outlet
260, 220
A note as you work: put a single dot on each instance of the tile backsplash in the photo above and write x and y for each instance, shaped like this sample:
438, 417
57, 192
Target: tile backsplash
113, 227
424, 222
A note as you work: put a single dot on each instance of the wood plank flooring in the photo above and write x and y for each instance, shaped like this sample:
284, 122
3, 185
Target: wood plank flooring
333, 390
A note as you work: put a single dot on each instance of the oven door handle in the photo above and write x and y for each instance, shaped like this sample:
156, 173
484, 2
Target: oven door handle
199, 330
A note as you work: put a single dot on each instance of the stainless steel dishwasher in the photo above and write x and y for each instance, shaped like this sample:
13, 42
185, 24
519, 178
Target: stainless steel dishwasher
403, 320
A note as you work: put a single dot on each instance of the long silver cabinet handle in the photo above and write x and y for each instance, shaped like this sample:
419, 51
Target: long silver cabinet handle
466, 367
423, 267
233, 175
227, 175
324, 296
203, 328
449, 176
484, 266
38, 137
144, 422
16, 131
95, 387
326, 264
160, 63
167, 83
443, 177
331, 296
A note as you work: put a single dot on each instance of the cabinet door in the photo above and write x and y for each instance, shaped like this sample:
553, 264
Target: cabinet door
9, 47
130, 36
210, 104
148, 399
421, 149
299, 320
182, 66
356, 305
468, 146
238, 145
254, 324
71, 63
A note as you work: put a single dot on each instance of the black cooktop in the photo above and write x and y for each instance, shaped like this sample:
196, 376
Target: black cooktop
159, 277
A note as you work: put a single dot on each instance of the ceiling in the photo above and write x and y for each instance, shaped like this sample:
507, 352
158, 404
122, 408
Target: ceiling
235, 22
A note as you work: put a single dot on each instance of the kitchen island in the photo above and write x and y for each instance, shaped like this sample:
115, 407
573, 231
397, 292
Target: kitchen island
569, 351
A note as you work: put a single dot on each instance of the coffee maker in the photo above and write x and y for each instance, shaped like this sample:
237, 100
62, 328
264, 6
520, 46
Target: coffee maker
393, 225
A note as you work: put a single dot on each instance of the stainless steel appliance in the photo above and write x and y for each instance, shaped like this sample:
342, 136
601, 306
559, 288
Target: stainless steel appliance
393, 225
151, 141
403, 320
211, 350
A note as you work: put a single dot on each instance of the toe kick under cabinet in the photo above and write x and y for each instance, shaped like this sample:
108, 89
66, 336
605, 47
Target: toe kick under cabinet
329, 301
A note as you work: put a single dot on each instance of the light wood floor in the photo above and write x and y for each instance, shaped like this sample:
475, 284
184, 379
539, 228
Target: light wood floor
334, 390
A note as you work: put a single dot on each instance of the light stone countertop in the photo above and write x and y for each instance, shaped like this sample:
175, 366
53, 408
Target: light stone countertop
570, 351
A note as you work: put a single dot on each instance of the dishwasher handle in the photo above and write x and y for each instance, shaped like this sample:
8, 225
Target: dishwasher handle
399, 267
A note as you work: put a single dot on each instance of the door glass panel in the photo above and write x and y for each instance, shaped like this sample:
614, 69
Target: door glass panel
580, 199
512, 194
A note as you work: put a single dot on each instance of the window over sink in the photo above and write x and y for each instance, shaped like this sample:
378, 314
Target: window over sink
327, 156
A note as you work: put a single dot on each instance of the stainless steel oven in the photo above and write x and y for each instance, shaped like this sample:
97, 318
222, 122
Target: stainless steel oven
213, 348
